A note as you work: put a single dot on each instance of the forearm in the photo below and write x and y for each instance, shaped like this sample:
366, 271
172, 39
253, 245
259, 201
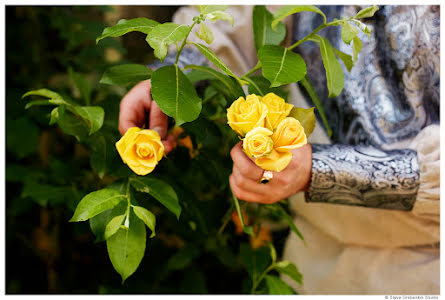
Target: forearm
364, 176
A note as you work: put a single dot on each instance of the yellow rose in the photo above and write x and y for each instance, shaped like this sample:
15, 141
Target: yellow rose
245, 114
276, 161
277, 110
257, 142
140, 149
289, 135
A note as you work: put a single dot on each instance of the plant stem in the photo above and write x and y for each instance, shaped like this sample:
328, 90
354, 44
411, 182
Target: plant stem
226, 219
127, 218
298, 43
183, 43
256, 68
246, 229
257, 282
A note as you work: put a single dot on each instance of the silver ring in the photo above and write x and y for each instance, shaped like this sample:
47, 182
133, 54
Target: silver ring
267, 176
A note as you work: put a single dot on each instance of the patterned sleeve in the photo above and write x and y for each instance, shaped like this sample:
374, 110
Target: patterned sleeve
364, 176
189, 56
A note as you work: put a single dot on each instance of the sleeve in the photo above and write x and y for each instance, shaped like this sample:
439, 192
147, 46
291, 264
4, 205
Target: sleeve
364, 176
427, 145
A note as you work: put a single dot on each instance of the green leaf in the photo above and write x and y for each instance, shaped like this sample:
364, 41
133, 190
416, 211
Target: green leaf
346, 58
255, 260
160, 190
277, 286
122, 27
175, 94
96, 202
280, 212
214, 59
55, 113
281, 66
147, 217
263, 34
93, 115
231, 86
206, 9
289, 269
196, 76
125, 74
306, 117
15, 173
306, 83
103, 152
367, 12
348, 32
22, 137
164, 35
81, 84
205, 33
38, 102
99, 222
99, 156
72, 125
334, 72
219, 15
41, 193
288, 10
183, 257
273, 252
363, 28
126, 247
113, 226
356, 47
54, 98
261, 86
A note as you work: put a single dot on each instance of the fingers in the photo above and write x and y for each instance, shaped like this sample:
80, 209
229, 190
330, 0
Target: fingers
134, 105
245, 195
249, 184
158, 120
246, 166
169, 144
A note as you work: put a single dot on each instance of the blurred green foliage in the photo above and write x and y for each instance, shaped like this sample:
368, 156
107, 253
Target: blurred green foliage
48, 171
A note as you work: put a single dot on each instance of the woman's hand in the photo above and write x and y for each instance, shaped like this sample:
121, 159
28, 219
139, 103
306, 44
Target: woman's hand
246, 174
138, 109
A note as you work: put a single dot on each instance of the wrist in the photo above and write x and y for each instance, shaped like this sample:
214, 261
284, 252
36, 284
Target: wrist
306, 167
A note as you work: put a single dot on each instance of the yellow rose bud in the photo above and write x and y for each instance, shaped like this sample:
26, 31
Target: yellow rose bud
276, 161
257, 142
245, 114
140, 149
289, 135
277, 110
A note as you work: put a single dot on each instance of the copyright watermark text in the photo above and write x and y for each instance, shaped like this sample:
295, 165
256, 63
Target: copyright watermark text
408, 297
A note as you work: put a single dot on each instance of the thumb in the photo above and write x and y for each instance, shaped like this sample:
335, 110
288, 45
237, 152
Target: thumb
158, 120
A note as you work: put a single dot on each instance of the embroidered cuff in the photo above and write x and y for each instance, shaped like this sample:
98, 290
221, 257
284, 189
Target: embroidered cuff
364, 176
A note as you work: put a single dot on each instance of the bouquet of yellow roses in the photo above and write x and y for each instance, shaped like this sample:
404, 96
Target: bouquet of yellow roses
267, 130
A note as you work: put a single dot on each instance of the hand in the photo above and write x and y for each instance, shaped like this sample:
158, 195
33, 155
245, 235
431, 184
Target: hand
136, 106
246, 174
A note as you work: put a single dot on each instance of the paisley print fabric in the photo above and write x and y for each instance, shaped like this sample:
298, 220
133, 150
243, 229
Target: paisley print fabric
391, 93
